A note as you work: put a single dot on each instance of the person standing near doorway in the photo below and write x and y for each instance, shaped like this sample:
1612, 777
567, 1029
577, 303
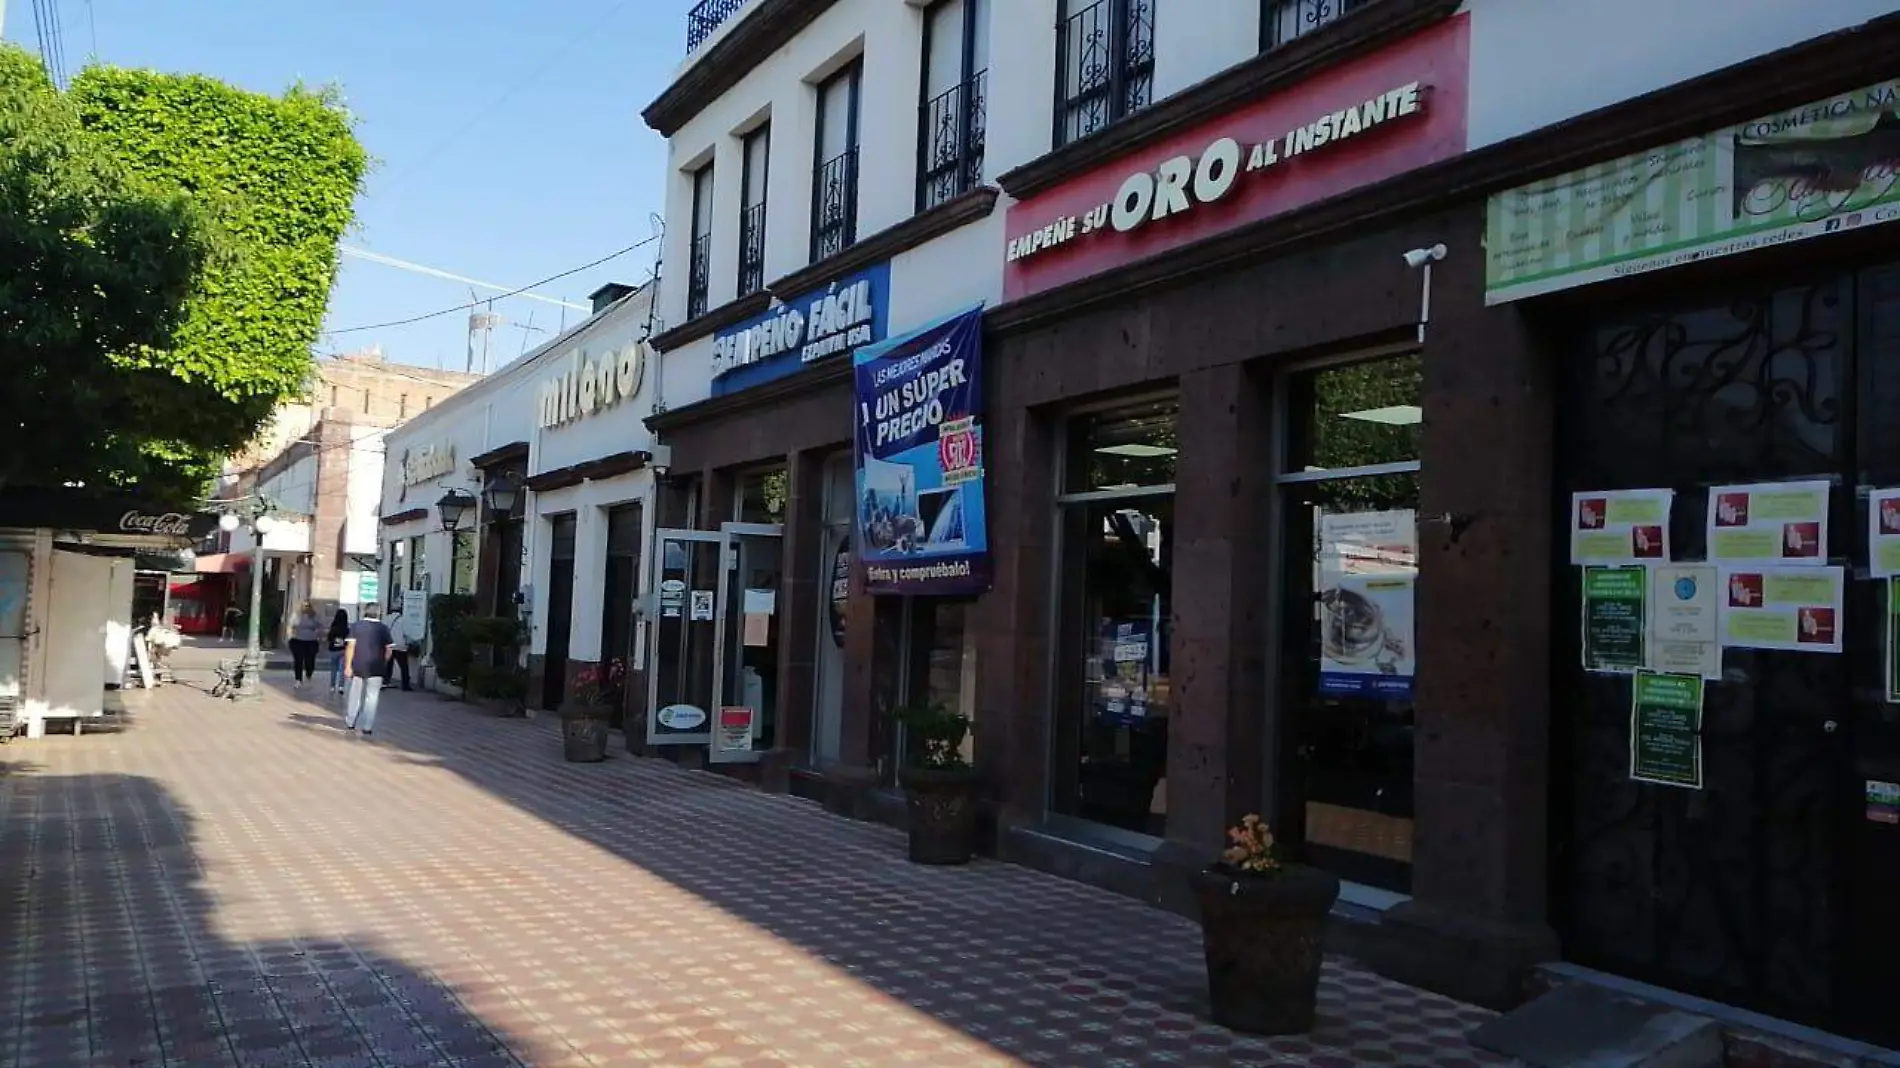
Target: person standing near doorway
400, 659
338, 637
306, 633
366, 656
232, 614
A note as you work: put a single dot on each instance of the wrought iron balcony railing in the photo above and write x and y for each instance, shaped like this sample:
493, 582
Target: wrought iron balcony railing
950, 142
698, 276
834, 207
1105, 66
706, 17
752, 249
1283, 20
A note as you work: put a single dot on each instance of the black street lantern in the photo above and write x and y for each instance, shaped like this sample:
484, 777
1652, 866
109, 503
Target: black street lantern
502, 492
453, 505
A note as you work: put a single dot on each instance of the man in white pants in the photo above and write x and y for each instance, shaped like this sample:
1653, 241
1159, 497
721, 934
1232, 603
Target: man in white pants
365, 658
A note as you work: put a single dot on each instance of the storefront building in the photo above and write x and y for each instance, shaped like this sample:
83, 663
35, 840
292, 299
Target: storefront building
67, 576
589, 470
455, 498
1289, 385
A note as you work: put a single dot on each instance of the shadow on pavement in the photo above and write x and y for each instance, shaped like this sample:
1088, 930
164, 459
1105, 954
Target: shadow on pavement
1040, 968
112, 952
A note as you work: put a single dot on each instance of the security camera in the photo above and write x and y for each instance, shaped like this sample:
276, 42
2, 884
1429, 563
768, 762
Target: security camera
1419, 257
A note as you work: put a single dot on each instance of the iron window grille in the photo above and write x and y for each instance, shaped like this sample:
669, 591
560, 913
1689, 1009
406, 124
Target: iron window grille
1284, 20
698, 270
752, 213
950, 128
1105, 65
834, 187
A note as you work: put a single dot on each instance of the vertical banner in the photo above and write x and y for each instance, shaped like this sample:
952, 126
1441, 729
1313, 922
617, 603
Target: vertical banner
921, 525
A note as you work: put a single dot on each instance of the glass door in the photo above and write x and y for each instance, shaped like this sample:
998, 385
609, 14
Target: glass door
746, 662
682, 675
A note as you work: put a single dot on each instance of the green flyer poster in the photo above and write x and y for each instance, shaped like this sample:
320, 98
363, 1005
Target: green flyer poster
1615, 619
1893, 640
1666, 730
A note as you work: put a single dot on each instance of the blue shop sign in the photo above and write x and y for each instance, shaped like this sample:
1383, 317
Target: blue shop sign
848, 314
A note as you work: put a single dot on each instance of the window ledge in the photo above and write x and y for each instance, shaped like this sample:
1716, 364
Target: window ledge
1377, 24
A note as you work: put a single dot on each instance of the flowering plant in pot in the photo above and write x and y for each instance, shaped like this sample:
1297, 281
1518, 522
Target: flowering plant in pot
1261, 927
585, 715
939, 784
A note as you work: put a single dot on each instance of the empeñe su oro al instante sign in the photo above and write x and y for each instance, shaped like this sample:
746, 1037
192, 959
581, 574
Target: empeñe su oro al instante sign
1349, 126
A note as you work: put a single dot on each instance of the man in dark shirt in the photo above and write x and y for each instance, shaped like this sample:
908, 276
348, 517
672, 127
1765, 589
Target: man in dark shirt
365, 659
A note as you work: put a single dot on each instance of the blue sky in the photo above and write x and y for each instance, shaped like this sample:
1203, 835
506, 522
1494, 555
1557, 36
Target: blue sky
506, 135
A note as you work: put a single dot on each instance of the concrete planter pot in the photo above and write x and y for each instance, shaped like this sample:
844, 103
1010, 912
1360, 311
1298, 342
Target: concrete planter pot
942, 809
1262, 937
584, 732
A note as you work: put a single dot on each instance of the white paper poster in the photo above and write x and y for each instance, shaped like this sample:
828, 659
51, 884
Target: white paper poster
702, 605
1367, 644
1620, 526
1782, 523
1883, 532
1368, 543
415, 614
1788, 608
737, 725
1684, 623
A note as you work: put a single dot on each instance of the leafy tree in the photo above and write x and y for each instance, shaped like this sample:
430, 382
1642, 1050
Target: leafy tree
262, 188
90, 267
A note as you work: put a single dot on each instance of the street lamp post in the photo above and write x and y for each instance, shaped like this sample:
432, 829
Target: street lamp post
251, 668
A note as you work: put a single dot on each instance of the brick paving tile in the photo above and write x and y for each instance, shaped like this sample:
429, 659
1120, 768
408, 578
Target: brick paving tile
223, 884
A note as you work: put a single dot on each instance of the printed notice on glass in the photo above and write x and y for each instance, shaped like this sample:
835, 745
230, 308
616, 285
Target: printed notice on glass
1769, 523
1684, 631
1368, 543
1666, 730
737, 725
1620, 526
1789, 608
1367, 636
1883, 533
1614, 619
702, 606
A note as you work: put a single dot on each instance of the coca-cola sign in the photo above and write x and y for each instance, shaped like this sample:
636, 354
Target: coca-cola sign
171, 524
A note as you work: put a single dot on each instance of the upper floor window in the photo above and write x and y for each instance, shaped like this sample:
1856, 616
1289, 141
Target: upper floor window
697, 274
956, 75
834, 186
1105, 64
1283, 20
757, 147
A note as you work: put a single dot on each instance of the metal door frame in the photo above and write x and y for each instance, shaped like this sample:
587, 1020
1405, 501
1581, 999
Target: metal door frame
651, 609
730, 533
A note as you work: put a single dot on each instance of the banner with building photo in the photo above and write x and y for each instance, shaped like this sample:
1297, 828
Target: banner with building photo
921, 523
1367, 569
1829, 166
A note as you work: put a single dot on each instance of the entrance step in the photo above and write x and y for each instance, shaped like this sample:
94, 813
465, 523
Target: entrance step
1581, 1026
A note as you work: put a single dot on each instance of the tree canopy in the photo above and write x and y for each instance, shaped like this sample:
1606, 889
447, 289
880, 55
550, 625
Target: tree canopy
167, 246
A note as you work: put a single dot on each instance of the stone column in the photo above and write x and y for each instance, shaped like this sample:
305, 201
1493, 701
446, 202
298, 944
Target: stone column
1477, 918
1217, 649
798, 600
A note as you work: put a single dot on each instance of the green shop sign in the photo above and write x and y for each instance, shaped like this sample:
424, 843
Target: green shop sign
1666, 730
1830, 166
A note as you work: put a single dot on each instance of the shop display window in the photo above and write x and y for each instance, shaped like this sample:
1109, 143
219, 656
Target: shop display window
760, 496
1348, 634
1110, 737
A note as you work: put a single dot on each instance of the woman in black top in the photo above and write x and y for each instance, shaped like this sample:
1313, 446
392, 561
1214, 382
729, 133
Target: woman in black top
339, 634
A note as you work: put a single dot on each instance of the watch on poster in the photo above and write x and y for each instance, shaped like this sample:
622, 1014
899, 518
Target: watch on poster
1389, 112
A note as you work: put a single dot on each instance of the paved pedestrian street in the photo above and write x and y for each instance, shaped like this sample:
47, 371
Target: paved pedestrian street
226, 884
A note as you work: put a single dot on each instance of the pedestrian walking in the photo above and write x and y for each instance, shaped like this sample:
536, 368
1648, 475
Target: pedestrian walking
366, 655
400, 660
231, 616
306, 633
338, 637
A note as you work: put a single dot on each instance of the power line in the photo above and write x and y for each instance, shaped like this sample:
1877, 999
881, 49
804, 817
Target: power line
436, 272
510, 293
586, 32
